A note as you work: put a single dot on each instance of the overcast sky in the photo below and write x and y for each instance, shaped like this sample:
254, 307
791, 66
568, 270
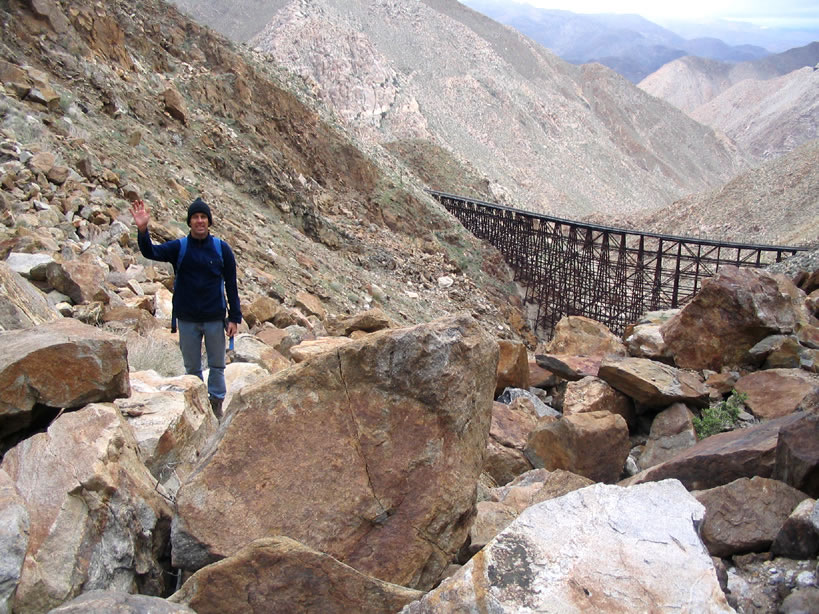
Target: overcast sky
771, 13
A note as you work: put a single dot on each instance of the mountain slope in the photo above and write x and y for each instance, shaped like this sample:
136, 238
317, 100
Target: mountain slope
148, 104
767, 118
773, 204
525, 120
690, 82
633, 46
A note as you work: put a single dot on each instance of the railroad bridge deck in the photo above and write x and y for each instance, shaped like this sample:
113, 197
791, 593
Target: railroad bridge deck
611, 275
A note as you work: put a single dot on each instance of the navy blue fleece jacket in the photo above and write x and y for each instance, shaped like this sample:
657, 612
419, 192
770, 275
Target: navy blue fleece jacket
198, 294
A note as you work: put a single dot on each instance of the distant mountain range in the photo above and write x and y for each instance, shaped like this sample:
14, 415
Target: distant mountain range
633, 46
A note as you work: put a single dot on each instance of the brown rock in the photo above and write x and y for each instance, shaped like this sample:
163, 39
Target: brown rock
593, 394
672, 431
722, 458
310, 304
735, 310
652, 384
513, 366
645, 340
96, 515
367, 321
581, 336
540, 377
568, 367
537, 486
261, 310
798, 539
491, 518
22, 305
594, 445
746, 514
508, 433
797, 455
371, 454
107, 602
778, 392
81, 281
42, 162
278, 574
503, 464
175, 104
313, 347
60, 364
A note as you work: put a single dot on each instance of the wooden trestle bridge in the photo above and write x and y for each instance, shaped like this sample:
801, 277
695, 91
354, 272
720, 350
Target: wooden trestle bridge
611, 275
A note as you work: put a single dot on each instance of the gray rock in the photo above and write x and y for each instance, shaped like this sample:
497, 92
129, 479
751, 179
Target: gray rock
597, 549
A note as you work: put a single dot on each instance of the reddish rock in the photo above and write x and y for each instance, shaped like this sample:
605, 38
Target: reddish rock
581, 336
513, 366
370, 454
540, 377
568, 367
722, 458
732, 526
368, 321
594, 445
735, 310
672, 431
278, 574
81, 281
593, 394
65, 364
778, 392
797, 455
798, 539
652, 384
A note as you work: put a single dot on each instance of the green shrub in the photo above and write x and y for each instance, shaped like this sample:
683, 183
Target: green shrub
720, 417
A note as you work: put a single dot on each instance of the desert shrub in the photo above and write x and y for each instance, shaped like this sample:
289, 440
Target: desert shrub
720, 417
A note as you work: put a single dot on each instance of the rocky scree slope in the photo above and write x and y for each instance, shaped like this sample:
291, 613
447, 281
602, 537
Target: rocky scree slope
775, 204
544, 135
140, 102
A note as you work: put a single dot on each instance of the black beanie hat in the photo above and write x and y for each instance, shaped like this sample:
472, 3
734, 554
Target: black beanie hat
199, 206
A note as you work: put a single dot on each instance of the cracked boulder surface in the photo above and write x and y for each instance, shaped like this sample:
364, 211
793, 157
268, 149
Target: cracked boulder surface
369, 453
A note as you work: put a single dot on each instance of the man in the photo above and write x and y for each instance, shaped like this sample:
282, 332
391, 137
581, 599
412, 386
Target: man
205, 270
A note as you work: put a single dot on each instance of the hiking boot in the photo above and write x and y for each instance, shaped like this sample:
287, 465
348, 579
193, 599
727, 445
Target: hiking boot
216, 406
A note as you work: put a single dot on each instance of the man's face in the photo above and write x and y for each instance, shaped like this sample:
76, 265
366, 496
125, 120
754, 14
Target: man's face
199, 225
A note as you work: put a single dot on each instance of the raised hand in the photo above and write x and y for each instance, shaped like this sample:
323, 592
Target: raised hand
141, 215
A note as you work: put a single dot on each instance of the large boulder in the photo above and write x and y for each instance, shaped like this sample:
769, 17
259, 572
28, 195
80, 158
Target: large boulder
64, 364
722, 458
82, 281
594, 445
278, 574
735, 309
14, 528
536, 486
599, 549
22, 305
581, 336
97, 517
797, 455
172, 421
672, 430
777, 392
798, 539
732, 526
119, 602
370, 454
593, 394
513, 366
508, 433
653, 385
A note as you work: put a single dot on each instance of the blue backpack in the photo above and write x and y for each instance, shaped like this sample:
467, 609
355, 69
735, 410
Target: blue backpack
183, 246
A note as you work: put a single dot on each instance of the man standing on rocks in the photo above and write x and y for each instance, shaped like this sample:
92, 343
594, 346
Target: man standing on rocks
205, 271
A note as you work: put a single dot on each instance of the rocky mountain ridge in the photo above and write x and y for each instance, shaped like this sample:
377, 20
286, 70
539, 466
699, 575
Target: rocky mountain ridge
629, 44
427, 77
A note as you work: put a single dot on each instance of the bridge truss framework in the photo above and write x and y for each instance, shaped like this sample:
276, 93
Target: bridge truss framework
611, 275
